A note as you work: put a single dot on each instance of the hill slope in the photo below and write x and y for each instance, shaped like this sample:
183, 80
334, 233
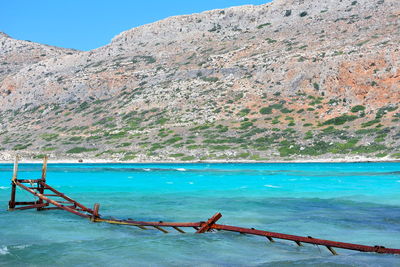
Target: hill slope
286, 80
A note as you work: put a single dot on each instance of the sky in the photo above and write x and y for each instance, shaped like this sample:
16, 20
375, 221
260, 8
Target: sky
89, 24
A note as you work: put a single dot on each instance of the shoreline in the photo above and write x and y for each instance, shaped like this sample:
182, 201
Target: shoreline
107, 161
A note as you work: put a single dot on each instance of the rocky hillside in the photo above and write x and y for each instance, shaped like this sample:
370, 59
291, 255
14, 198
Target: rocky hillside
17, 54
292, 79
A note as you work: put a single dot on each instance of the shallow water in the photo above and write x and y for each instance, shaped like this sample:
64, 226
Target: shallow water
348, 202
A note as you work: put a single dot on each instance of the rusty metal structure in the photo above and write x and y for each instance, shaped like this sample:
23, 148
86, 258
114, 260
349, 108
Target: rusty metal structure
49, 198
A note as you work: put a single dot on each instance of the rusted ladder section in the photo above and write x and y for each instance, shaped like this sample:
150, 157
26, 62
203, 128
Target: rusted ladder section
76, 208
38, 187
210, 224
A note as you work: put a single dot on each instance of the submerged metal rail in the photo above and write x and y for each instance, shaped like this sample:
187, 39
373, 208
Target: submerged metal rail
38, 189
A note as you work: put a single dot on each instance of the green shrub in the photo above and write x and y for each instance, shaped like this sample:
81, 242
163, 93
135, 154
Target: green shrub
383, 110
76, 150
244, 112
21, 146
303, 14
49, 136
210, 79
340, 120
266, 110
370, 123
246, 125
40, 156
173, 140
357, 108
263, 25
177, 155
187, 158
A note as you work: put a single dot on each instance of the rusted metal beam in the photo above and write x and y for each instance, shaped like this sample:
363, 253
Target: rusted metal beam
142, 223
331, 250
29, 180
310, 240
298, 243
178, 229
25, 203
32, 206
207, 225
52, 201
270, 239
43, 181
161, 229
67, 198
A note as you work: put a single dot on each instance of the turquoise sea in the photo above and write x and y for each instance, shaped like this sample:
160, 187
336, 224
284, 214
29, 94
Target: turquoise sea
347, 202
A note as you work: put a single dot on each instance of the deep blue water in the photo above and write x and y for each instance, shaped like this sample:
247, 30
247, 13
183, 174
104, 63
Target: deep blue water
347, 202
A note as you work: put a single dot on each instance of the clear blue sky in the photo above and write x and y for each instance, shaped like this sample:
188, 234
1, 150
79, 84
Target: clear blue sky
88, 24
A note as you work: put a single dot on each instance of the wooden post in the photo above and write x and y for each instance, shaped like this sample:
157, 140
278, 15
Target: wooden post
11, 203
95, 212
40, 185
15, 171
44, 168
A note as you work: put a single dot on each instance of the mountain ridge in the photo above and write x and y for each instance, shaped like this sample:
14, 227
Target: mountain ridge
282, 74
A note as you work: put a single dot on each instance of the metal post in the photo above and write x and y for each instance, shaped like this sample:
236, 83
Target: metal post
44, 168
40, 185
95, 212
11, 203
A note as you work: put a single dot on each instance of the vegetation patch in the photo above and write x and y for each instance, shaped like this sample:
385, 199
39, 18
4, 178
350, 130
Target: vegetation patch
340, 120
77, 150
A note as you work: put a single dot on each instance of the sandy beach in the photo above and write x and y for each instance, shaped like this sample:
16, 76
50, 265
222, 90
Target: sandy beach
107, 161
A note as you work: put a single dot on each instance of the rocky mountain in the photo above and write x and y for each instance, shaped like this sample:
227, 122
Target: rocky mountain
17, 54
291, 79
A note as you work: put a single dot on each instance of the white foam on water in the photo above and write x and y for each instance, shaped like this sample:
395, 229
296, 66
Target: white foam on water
398, 181
271, 186
4, 251
147, 170
4, 187
191, 183
130, 177
169, 182
22, 246
181, 169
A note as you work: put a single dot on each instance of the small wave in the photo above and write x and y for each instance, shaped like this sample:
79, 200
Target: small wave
130, 177
22, 246
191, 183
147, 170
398, 181
169, 182
4, 251
271, 186
181, 169
4, 187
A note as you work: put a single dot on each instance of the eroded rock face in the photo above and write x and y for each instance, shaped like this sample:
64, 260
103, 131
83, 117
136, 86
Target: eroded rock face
322, 57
